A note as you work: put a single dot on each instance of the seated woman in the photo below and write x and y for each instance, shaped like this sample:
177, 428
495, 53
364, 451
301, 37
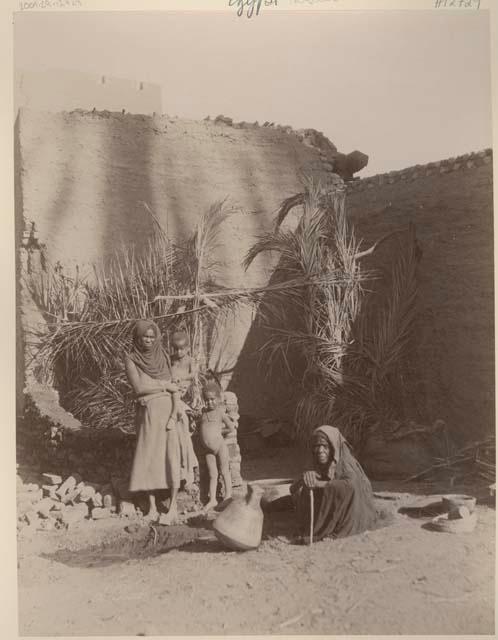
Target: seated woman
342, 494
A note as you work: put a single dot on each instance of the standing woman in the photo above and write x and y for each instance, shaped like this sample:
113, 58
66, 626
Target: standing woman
157, 461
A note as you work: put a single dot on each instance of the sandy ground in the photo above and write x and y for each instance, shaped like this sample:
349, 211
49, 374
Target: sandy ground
112, 578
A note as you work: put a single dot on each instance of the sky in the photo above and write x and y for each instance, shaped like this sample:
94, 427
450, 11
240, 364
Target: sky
403, 87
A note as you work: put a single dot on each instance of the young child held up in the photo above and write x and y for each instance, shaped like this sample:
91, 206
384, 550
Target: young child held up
214, 424
182, 363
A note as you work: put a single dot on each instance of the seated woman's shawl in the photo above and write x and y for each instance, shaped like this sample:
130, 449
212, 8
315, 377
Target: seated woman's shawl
345, 506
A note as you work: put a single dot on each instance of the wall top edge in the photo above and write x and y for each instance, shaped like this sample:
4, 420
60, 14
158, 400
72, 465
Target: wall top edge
463, 162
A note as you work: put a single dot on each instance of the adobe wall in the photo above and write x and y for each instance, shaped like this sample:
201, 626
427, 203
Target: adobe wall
451, 204
84, 175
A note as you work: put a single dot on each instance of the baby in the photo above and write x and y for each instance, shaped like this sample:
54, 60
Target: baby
214, 424
182, 364
183, 375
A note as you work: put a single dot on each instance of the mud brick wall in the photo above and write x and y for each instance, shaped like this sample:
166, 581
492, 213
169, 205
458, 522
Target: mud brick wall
451, 204
85, 175
82, 177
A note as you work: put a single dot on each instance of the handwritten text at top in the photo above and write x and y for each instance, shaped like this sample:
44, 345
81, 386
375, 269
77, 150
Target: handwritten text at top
251, 7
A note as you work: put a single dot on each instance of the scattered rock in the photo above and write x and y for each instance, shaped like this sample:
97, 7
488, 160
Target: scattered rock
97, 501
51, 478
109, 500
71, 496
49, 491
223, 119
87, 492
68, 485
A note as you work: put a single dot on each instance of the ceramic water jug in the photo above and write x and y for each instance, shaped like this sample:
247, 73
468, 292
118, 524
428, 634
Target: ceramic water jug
240, 525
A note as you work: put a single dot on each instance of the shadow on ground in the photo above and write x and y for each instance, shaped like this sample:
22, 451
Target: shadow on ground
142, 540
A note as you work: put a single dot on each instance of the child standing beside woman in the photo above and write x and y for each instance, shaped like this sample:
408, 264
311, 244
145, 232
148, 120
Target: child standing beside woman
215, 425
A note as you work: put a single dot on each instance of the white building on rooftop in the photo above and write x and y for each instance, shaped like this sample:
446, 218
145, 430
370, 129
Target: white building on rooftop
60, 90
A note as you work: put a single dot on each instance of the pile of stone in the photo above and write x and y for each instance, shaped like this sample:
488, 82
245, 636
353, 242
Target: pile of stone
231, 439
54, 502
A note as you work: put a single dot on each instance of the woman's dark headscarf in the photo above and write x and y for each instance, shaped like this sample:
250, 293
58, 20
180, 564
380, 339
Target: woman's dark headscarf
342, 464
155, 361
344, 506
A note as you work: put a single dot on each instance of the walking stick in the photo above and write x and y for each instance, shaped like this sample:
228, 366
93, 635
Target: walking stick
312, 515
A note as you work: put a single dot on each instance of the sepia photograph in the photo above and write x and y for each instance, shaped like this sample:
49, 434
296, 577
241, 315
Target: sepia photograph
254, 341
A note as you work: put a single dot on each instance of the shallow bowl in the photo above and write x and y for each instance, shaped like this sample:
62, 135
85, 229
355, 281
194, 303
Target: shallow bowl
453, 501
462, 525
274, 489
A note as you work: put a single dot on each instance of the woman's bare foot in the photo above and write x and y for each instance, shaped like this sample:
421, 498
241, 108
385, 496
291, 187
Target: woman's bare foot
168, 518
210, 505
152, 515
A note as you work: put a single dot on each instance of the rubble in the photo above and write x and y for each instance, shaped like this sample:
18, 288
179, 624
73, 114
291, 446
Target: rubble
108, 497
65, 501
87, 493
97, 500
49, 491
61, 487
71, 496
68, 485
51, 479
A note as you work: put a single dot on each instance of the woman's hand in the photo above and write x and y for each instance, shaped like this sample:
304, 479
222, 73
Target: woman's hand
171, 387
310, 479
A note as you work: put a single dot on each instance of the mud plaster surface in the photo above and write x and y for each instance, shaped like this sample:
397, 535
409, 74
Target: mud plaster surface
100, 579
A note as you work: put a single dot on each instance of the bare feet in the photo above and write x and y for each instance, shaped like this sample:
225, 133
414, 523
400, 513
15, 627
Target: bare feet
168, 518
152, 516
210, 505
